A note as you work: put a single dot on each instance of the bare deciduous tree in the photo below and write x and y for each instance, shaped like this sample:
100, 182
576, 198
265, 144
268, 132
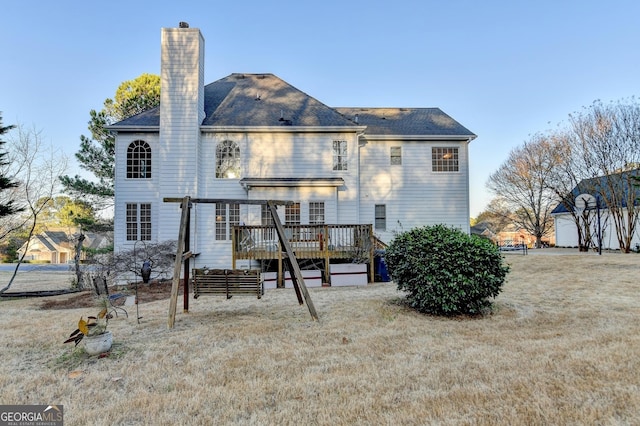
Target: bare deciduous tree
607, 146
36, 168
522, 181
496, 215
566, 177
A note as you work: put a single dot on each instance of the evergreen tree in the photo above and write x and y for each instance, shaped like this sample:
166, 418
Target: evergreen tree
97, 152
6, 182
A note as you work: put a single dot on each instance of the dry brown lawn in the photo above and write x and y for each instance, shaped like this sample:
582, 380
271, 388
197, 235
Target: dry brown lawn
561, 347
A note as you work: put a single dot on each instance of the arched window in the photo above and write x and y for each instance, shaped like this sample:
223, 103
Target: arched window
139, 160
227, 160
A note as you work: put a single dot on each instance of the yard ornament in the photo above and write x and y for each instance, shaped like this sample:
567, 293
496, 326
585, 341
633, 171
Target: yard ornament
146, 271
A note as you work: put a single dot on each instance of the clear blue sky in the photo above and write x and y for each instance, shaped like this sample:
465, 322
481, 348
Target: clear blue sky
504, 69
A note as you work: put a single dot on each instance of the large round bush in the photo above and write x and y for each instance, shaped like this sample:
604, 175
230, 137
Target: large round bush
445, 271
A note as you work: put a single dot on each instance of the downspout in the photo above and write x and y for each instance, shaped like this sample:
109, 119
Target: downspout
360, 145
468, 188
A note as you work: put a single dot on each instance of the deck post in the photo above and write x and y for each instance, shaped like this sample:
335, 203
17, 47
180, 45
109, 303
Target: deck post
372, 255
280, 279
327, 273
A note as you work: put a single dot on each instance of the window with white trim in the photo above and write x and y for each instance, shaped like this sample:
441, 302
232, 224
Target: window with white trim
292, 214
396, 156
339, 155
380, 217
444, 159
227, 216
316, 213
266, 218
227, 160
138, 220
139, 160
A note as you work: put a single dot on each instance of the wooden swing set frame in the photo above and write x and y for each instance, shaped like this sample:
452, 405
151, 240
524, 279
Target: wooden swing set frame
184, 253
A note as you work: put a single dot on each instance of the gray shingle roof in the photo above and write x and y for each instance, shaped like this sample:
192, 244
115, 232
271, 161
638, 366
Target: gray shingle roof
406, 121
600, 188
266, 100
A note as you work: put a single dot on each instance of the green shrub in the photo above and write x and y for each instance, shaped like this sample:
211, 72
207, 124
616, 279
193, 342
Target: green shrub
445, 271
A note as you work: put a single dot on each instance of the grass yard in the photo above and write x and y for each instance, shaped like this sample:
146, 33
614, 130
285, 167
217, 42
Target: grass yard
561, 347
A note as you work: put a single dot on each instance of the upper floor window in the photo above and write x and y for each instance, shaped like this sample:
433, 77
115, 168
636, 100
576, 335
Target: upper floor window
339, 155
138, 219
396, 156
227, 160
444, 159
139, 160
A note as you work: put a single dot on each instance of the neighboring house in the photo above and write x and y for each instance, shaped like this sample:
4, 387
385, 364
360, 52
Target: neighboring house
589, 193
483, 230
256, 137
57, 246
513, 234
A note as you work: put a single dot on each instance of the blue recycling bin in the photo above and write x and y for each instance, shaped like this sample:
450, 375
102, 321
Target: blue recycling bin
382, 273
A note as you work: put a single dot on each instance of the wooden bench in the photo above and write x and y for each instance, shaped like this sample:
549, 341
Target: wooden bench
228, 282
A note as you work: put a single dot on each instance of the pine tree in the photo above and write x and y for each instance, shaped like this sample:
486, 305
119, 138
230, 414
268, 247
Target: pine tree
6, 207
97, 152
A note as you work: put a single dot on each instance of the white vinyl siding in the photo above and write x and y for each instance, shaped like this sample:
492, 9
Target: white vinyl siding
413, 195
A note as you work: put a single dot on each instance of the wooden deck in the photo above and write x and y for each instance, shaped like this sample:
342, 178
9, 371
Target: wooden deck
324, 242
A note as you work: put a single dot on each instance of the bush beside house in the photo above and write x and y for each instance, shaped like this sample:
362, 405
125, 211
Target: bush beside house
445, 271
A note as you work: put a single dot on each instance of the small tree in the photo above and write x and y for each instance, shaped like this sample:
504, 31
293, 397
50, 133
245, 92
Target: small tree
445, 271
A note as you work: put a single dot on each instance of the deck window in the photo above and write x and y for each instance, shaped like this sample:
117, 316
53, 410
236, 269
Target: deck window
227, 216
227, 160
266, 218
316, 213
339, 155
292, 214
381, 217
396, 156
138, 220
139, 160
444, 159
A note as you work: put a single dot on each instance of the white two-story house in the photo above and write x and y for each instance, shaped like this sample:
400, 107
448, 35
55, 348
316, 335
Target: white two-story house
256, 137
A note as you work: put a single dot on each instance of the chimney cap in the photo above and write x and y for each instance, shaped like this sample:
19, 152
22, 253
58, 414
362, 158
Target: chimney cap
183, 24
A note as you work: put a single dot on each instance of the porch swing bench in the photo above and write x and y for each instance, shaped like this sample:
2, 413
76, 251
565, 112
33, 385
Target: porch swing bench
227, 282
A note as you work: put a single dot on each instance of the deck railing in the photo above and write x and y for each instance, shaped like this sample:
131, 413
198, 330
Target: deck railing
307, 241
